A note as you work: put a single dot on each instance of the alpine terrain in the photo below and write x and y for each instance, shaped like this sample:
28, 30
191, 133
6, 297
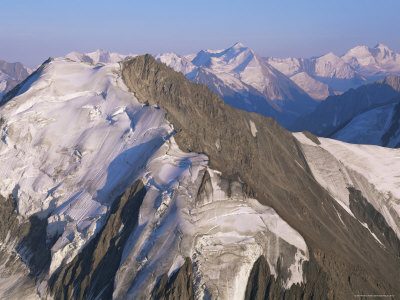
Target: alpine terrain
125, 180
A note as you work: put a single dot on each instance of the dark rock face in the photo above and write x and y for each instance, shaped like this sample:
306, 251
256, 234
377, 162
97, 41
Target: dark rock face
365, 212
263, 285
91, 274
271, 164
30, 254
179, 286
312, 137
34, 248
336, 111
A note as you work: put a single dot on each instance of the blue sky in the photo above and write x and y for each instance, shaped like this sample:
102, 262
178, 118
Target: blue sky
31, 31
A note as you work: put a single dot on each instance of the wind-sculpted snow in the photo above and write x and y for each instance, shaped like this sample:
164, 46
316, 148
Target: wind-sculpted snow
190, 211
373, 170
70, 144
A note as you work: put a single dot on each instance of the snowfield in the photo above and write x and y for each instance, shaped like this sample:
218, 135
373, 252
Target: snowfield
72, 143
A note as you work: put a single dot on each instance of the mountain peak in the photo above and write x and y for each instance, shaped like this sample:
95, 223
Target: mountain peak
381, 46
330, 55
238, 45
101, 52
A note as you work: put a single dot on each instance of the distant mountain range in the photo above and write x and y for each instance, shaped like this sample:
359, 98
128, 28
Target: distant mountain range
244, 80
283, 88
373, 62
369, 114
10, 75
359, 65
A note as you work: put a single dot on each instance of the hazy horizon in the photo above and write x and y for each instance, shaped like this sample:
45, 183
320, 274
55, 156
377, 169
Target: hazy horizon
33, 31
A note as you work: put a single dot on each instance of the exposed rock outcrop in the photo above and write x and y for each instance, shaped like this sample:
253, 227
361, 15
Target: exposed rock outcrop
91, 274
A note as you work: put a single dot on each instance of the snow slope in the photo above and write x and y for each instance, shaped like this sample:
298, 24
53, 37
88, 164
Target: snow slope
377, 126
74, 139
68, 148
316, 89
373, 170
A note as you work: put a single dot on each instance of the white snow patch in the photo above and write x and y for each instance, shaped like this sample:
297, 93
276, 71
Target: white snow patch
373, 234
253, 128
177, 264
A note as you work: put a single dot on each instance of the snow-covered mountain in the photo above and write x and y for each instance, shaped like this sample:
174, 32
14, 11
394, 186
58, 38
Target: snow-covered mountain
244, 80
326, 66
108, 141
373, 62
326, 75
315, 88
377, 126
98, 56
330, 74
366, 115
127, 181
10, 75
